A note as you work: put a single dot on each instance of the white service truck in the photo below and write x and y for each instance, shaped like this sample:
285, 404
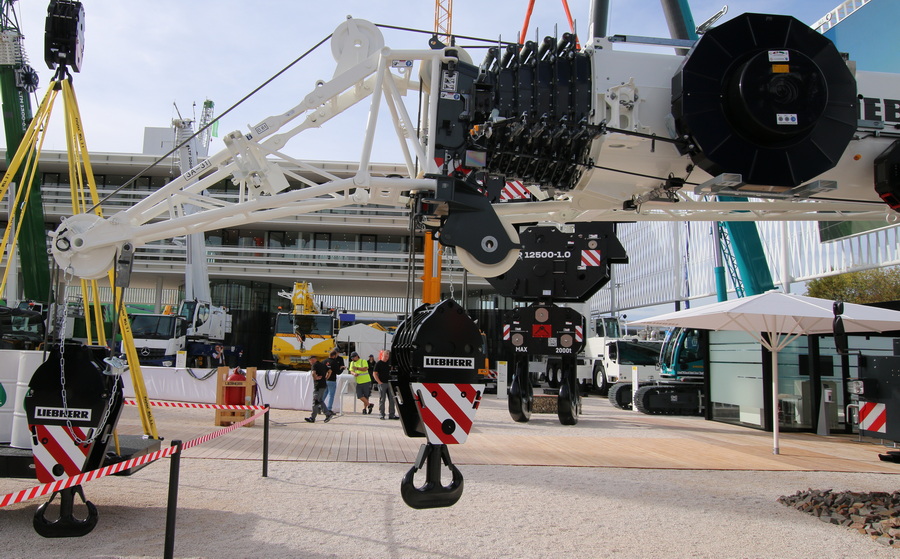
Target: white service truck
610, 356
196, 329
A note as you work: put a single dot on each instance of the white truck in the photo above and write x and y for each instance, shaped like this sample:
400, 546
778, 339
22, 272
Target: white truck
196, 329
610, 356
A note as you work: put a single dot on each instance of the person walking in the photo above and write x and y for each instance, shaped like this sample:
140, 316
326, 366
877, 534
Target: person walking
359, 368
318, 370
335, 365
382, 376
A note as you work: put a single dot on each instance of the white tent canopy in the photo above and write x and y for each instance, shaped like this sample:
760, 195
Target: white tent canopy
367, 339
776, 319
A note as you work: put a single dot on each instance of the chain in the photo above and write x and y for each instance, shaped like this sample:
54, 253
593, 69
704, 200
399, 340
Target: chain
450, 255
61, 329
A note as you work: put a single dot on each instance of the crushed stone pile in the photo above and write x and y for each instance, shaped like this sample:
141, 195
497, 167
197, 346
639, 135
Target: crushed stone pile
876, 515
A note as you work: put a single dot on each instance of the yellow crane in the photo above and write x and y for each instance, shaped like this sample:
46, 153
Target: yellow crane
304, 332
443, 20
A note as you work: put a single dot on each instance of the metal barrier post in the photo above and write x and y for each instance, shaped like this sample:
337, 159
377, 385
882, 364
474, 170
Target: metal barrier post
266, 444
852, 418
172, 506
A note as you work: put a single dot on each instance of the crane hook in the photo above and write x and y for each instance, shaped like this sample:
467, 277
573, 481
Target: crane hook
432, 494
66, 526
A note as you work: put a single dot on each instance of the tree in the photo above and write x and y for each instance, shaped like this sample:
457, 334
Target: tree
869, 286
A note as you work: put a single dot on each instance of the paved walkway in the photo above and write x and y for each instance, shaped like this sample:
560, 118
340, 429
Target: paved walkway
603, 437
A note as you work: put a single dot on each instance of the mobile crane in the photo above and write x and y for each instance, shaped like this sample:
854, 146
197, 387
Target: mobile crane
304, 332
760, 106
199, 325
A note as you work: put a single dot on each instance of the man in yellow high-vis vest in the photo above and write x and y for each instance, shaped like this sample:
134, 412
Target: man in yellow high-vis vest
359, 368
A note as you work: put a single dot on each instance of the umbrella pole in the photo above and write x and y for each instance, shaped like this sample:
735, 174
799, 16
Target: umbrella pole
775, 404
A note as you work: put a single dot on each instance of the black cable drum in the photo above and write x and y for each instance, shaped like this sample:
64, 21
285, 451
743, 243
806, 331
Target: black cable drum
765, 96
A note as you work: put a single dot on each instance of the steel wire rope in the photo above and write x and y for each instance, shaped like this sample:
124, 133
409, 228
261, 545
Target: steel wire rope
309, 51
213, 121
453, 36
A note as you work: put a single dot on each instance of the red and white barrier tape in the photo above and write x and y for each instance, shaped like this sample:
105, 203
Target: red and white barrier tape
58, 485
189, 405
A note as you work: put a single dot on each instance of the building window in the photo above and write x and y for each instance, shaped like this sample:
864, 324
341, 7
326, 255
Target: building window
343, 242
55, 179
367, 243
322, 241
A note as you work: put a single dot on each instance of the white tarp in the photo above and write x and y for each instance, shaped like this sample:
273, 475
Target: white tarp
287, 390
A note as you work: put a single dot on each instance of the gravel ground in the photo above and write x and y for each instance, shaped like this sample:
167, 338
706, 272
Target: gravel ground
313, 510
336, 509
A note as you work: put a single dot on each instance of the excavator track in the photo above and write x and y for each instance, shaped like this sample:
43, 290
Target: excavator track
670, 399
620, 395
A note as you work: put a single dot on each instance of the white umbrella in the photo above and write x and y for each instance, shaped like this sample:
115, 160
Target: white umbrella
776, 319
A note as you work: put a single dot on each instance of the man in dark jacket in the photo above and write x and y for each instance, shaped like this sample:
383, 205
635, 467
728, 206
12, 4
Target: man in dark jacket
382, 376
335, 364
318, 370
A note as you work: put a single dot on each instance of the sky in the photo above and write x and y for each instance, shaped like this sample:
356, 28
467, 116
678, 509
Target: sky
142, 59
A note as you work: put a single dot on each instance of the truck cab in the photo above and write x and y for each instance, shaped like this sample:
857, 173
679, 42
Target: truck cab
298, 337
158, 337
20, 329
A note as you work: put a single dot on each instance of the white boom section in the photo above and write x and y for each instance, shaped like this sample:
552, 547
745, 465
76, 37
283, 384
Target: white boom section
196, 280
631, 90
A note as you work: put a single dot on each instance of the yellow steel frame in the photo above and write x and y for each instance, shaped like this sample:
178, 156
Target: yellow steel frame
84, 196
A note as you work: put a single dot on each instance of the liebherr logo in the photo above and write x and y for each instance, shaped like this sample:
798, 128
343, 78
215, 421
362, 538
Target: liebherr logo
78, 414
450, 362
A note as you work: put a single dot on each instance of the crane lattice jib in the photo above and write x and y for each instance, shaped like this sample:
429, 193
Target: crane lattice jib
206, 117
443, 19
838, 14
17, 81
728, 257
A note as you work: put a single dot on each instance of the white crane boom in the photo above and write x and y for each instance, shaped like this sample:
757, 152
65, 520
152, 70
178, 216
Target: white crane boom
624, 157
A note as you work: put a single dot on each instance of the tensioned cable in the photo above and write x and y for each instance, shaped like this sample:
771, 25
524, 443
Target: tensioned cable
455, 36
213, 121
256, 90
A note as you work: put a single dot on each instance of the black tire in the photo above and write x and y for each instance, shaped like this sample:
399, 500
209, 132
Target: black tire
620, 395
521, 396
568, 403
553, 375
601, 384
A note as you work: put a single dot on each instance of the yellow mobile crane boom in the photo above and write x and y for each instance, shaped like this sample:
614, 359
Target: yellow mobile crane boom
304, 332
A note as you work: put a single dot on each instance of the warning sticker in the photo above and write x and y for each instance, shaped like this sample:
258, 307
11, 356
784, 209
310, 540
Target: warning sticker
779, 56
449, 81
786, 119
